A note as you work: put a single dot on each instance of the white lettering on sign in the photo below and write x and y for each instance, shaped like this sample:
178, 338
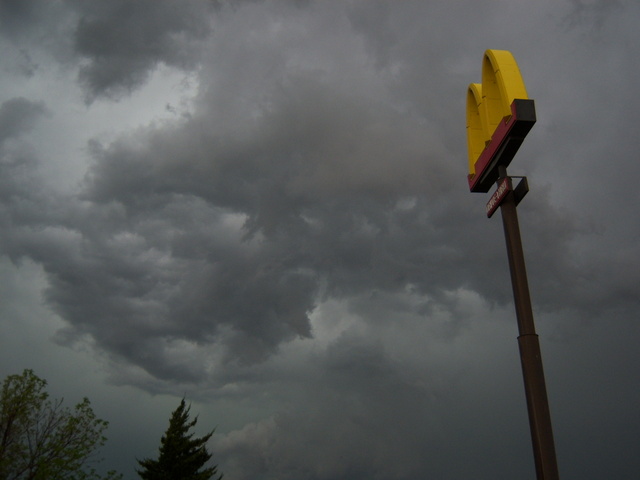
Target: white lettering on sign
498, 196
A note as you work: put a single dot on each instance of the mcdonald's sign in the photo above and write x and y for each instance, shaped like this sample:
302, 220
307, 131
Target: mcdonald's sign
499, 117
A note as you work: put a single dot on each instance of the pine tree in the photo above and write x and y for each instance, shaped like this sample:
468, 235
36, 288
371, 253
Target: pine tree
182, 457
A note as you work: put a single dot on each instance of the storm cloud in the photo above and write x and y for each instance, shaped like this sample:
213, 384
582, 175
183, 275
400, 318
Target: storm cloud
292, 243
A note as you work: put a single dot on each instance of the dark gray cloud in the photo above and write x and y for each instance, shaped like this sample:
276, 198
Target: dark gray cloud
16, 16
34, 31
123, 42
301, 244
115, 45
591, 13
18, 115
387, 421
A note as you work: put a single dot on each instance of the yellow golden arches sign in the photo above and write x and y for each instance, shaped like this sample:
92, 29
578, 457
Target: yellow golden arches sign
499, 116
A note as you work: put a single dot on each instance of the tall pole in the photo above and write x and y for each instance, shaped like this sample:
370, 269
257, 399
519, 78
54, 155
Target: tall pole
530, 356
499, 117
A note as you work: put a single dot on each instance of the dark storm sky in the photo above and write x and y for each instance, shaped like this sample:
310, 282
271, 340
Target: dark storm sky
263, 206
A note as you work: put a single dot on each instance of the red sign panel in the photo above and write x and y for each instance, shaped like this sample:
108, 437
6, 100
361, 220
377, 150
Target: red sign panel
496, 199
504, 144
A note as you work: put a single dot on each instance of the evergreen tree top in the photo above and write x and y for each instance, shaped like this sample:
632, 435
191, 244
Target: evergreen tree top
181, 456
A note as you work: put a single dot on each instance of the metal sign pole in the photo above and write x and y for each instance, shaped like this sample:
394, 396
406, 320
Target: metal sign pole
530, 356
499, 117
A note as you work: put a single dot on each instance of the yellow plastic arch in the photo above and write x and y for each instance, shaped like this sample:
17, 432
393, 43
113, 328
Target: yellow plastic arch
488, 103
475, 132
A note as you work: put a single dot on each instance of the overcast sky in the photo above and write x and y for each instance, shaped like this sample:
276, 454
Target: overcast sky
263, 206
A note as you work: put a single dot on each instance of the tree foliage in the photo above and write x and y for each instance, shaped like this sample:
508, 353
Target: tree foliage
40, 439
181, 456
